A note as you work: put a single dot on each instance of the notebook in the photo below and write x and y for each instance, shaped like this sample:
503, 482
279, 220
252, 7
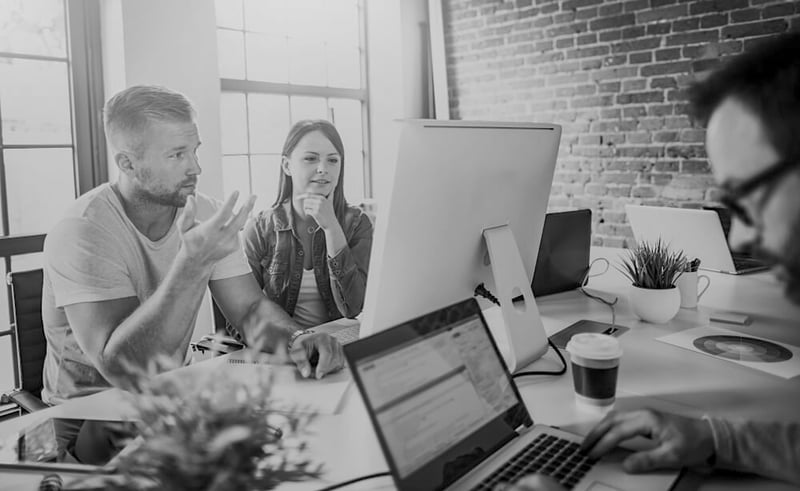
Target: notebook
448, 415
563, 252
699, 233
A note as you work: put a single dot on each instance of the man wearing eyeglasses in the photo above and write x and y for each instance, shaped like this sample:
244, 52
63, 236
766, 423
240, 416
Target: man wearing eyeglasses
751, 109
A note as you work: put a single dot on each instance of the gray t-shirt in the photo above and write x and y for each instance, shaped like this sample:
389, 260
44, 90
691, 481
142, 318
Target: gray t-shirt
94, 253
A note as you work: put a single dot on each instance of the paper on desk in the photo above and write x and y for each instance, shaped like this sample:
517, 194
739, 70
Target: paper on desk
291, 389
768, 356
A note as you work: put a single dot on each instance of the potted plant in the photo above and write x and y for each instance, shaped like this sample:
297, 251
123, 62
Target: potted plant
653, 269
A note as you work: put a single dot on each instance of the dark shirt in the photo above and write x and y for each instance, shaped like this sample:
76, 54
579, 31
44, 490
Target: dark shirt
275, 254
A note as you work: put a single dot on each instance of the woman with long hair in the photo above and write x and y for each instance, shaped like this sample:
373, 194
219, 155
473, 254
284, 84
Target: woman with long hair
310, 250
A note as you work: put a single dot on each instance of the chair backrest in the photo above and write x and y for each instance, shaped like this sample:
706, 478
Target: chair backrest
30, 342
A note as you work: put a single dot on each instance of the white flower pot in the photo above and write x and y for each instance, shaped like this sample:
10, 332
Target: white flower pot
656, 306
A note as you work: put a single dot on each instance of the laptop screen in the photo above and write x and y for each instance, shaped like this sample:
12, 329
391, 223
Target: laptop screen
438, 393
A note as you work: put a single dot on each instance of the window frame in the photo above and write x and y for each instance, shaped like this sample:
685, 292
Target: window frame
90, 163
247, 87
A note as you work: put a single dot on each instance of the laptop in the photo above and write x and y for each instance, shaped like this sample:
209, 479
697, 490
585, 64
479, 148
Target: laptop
699, 233
448, 415
563, 252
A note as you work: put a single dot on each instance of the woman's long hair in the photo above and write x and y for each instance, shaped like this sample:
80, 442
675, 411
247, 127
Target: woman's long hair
298, 131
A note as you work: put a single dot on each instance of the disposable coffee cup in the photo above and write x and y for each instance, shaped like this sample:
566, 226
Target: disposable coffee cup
595, 361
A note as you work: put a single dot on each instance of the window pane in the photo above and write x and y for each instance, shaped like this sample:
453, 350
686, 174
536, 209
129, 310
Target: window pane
308, 108
266, 175
267, 16
229, 14
33, 27
269, 122
267, 58
35, 102
306, 62
32, 174
347, 118
25, 262
230, 51
235, 175
344, 68
233, 114
341, 23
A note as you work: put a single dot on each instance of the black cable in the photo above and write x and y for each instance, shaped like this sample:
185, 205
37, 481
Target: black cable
355, 480
482, 291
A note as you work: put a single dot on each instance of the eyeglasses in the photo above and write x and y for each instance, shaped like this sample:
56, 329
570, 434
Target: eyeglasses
733, 194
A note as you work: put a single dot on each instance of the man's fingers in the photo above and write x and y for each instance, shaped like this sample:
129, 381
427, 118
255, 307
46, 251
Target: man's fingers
237, 222
598, 431
658, 458
300, 358
225, 211
325, 358
624, 427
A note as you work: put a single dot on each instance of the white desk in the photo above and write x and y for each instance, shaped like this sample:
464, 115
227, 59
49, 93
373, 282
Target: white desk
652, 374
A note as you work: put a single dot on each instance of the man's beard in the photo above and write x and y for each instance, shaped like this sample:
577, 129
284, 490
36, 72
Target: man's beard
788, 261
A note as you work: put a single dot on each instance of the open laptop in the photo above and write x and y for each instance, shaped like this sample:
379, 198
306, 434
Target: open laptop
448, 415
699, 233
563, 252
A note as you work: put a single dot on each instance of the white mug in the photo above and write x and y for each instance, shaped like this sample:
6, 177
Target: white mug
687, 284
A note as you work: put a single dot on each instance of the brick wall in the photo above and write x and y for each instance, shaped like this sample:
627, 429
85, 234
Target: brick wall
614, 75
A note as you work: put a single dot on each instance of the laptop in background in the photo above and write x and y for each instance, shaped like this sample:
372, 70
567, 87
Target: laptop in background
449, 416
699, 233
563, 252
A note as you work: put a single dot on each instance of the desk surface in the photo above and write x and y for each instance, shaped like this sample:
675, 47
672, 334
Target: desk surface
652, 374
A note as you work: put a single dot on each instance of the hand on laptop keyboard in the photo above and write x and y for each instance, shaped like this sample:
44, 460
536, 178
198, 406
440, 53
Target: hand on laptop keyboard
534, 482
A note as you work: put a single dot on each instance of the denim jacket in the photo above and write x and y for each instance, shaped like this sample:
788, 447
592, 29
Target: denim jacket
275, 254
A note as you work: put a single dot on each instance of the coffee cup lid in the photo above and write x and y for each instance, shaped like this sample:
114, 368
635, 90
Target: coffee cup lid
594, 346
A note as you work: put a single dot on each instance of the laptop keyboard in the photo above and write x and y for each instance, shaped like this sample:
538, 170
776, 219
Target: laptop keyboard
556, 457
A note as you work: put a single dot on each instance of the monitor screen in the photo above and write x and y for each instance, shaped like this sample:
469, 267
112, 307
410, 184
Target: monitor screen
452, 181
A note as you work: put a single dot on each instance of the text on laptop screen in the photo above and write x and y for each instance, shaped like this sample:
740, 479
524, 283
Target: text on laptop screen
431, 393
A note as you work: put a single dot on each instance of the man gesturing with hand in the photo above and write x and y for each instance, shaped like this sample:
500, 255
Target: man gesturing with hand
127, 266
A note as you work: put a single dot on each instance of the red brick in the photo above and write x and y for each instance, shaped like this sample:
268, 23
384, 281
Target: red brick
699, 66
609, 22
693, 37
695, 167
615, 60
745, 15
677, 95
665, 136
677, 122
587, 39
686, 151
641, 57
640, 97
713, 20
613, 113
610, 9
566, 42
686, 25
651, 124
780, 10
614, 73
591, 64
636, 5
668, 54
600, 100
641, 152
636, 45
657, 29
576, 4
644, 192
661, 3
639, 137
661, 14
634, 111
633, 32
588, 52
609, 87
660, 110
660, 179
663, 83
665, 68
667, 166
543, 21
613, 35
755, 28
693, 136
587, 13
574, 28
633, 85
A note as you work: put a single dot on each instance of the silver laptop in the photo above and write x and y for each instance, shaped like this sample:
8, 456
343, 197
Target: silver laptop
448, 415
699, 233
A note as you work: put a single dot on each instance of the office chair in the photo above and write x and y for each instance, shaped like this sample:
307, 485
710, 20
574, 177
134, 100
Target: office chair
29, 340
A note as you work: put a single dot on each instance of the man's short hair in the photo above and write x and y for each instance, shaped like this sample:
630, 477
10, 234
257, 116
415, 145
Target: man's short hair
766, 79
129, 112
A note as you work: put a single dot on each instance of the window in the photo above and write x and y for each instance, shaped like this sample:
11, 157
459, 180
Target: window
281, 61
51, 140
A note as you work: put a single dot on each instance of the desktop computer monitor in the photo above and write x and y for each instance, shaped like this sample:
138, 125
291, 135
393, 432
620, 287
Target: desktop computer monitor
454, 180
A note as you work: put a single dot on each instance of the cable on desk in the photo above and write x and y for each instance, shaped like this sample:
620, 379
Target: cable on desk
585, 281
482, 291
355, 480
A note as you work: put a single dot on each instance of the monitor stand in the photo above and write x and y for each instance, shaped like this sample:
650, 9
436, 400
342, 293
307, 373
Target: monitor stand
517, 328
